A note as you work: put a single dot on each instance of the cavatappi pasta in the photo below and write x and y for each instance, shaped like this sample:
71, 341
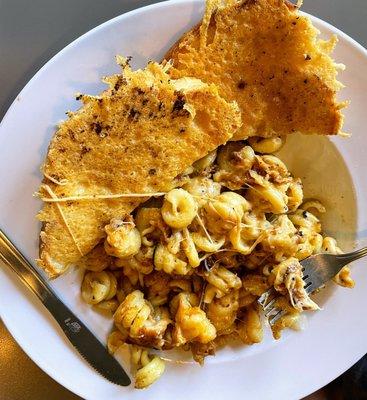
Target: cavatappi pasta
186, 269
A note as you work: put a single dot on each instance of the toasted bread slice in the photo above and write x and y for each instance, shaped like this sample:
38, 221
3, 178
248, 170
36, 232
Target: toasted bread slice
136, 137
267, 57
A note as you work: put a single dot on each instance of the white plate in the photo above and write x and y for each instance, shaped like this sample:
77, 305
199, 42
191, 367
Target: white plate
288, 369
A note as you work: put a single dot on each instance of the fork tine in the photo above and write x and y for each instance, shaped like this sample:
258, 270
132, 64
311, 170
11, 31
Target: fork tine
306, 281
267, 301
276, 317
310, 288
270, 307
307, 284
264, 298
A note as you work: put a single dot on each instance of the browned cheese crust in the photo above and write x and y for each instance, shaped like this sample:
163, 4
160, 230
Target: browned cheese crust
267, 57
136, 137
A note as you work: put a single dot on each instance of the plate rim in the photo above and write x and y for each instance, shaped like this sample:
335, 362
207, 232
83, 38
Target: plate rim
37, 358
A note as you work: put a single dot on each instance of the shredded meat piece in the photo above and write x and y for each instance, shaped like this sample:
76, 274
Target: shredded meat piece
289, 279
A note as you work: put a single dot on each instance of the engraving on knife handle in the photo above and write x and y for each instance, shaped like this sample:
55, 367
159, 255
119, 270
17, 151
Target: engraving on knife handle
73, 326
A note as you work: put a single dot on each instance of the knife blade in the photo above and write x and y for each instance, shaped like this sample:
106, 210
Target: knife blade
88, 346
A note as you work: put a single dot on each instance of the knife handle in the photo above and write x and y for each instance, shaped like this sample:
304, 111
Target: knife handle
79, 335
12, 257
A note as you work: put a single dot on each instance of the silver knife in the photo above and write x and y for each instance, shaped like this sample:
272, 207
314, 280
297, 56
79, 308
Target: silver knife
89, 347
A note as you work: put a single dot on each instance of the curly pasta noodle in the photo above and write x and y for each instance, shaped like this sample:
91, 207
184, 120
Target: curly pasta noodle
148, 368
98, 286
220, 282
192, 324
186, 270
222, 312
141, 320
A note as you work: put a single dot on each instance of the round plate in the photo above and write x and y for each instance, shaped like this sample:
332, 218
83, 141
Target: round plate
291, 368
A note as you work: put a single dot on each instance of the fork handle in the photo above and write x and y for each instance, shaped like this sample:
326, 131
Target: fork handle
347, 258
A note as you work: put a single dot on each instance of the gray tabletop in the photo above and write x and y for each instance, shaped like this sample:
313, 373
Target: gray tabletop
31, 32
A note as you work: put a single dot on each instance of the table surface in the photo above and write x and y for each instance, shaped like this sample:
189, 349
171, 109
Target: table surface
31, 32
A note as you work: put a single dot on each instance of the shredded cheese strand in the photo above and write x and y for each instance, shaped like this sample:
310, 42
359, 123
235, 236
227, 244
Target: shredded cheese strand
202, 295
252, 187
201, 223
215, 252
257, 241
52, 194
50, 178
251, 226
207, 198
96, 196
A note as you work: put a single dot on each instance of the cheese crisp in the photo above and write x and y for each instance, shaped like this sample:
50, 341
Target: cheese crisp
136, 137
267, 57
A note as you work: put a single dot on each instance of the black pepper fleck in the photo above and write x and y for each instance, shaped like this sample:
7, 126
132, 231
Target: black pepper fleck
84, 150
241, 84
134, 115
97, 127
71, 134
120, 81
179, 103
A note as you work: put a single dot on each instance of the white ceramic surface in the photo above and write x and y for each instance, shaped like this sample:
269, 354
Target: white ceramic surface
334, 170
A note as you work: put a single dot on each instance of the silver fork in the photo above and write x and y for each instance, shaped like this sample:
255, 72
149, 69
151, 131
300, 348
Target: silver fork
317, 270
